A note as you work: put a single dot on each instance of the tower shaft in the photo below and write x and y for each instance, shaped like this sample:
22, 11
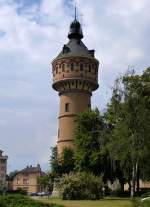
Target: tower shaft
71, 104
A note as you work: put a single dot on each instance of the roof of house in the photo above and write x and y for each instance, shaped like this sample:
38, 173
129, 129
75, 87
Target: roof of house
31, 169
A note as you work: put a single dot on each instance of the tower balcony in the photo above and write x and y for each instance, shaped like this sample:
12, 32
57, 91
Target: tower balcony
75, 73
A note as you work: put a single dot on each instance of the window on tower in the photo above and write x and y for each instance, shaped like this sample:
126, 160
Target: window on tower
89, 68
67, 107
81, 66
58, 132
63, 67
72, 66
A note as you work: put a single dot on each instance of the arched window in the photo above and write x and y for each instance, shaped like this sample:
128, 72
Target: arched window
67, 107
89, 68
81, 66
63, 67
56, 70
95, 70
72, 66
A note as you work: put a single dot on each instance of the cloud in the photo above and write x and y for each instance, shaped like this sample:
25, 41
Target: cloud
32, 33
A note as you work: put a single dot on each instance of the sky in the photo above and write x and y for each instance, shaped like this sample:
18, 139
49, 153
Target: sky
32, 33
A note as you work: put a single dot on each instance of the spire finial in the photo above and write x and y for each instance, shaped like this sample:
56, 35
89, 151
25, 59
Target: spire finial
75, 12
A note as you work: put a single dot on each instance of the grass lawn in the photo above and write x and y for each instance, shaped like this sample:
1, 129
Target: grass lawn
114, 202
12, 200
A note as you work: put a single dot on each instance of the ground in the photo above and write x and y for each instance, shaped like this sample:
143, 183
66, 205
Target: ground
107, 202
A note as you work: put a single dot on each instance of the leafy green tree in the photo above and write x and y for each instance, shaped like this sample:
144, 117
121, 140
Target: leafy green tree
46, 182
67, 160
62, 164
129, 139
91, 154
54, 163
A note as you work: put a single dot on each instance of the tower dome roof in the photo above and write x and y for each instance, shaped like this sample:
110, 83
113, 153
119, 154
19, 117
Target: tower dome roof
75, 47
75, 30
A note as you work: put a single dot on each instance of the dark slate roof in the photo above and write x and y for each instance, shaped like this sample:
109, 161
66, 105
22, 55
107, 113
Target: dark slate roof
75, 48
30, 169
75, 30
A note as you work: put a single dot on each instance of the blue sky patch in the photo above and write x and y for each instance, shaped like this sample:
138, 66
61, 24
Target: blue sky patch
2, 33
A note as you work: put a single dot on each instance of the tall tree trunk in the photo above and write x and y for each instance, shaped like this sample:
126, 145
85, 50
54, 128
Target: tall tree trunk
122, 186
133, 180
129, 183
137, 178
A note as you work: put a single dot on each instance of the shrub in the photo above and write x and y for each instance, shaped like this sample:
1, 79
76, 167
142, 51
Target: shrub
139, 203
22, 201
18, 191
144, 192
119, 193
79, 185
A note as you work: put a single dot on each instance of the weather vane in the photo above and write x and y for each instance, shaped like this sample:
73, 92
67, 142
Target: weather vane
75, 12
75, 15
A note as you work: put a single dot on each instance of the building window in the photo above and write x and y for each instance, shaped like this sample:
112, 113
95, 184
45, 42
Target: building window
67, 107
18, 181
81, 66
25, 181
72, 66
2, 168
3, 161
56, 70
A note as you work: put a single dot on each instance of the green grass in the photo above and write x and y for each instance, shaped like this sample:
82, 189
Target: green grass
107, 202
22, 201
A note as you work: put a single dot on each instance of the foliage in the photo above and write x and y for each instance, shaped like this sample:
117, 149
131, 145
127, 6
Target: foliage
79, 185
21, 201
129, 115
140, 203
90, 152
62, 164
114, 144
46, 181
119, 193
11, 175
18, 191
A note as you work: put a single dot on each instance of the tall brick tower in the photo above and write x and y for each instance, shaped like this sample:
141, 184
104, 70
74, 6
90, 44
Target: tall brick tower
75, 76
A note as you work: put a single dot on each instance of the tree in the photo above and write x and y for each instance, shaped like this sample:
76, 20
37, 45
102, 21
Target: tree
62, 164
90, 140
46, 182
129, 139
